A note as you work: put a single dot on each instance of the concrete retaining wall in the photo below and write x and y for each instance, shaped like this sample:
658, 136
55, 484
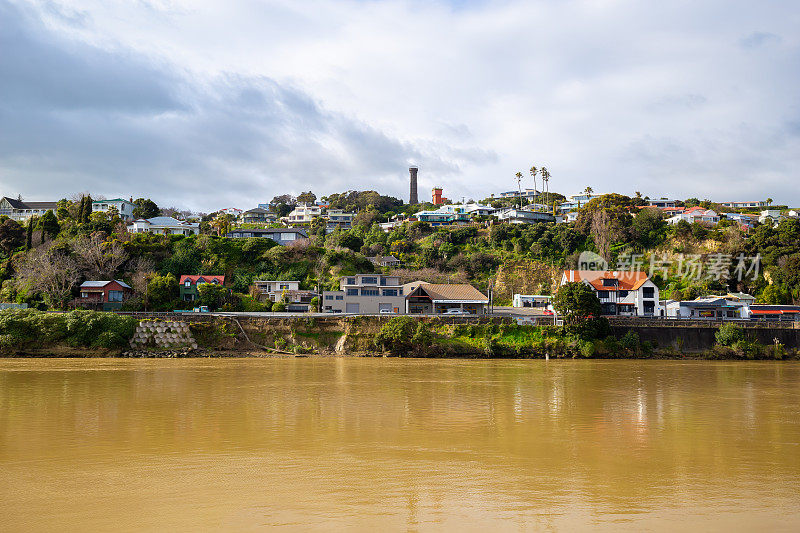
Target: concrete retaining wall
163, 335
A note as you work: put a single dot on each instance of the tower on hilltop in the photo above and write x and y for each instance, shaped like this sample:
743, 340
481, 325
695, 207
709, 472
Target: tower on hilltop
413, 198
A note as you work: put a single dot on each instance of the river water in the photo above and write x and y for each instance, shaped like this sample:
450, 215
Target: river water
363, 444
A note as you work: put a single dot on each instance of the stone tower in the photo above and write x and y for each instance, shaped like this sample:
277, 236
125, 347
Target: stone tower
413, 198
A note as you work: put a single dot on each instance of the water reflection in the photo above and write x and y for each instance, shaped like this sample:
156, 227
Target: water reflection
315, 444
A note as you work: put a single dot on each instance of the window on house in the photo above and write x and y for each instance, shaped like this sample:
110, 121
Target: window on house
609, 283
284, 286
329, 296
623, 294
351, 281
602, 294
352, 292
187, 284
648, 292
390, 292
369, 280
369, 292
339, 297
114, 296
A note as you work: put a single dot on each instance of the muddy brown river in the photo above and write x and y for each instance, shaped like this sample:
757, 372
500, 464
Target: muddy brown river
398, 444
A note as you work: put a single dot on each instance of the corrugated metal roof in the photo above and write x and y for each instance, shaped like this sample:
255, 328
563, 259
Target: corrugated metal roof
101, 284
453, 292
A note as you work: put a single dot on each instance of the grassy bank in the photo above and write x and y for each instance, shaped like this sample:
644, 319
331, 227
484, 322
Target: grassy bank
91, 333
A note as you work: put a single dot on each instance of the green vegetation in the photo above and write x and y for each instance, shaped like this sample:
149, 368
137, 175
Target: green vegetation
26, 329
43, 263
576, 302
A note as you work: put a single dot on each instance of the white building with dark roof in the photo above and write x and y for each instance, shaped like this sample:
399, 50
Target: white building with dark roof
21, 211
164, 226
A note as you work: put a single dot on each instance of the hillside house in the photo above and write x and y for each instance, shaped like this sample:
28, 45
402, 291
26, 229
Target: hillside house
303, 214
695, 214
366, 294
432, 298
124, 207
513, 215
297, 299
23, 210
282, 236
708, 308
257, 216
189, 285
620, 292
103, 295
385, 261
164, 226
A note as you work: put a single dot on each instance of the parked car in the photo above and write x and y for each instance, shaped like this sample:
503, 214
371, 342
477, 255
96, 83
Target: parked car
201, 309
386, 312
456, 311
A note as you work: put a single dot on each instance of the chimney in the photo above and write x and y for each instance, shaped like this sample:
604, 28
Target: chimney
413, 198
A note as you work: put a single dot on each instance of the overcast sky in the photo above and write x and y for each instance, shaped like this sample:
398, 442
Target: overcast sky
205, 105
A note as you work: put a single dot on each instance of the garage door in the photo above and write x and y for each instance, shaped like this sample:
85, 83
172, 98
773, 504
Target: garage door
351, 308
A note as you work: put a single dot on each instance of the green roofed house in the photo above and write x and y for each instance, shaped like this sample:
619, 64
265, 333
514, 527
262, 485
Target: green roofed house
124, 207
189, 285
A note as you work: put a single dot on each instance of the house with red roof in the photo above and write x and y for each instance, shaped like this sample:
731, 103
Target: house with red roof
623, 293
189, 285
695, 214
103, 295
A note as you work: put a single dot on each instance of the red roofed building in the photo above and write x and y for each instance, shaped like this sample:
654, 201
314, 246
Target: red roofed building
623, 293
189, 285
695, 214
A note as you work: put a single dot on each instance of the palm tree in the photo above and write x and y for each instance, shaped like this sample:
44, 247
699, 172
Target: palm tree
546, 182
588, 190
769, 201
519, 187
534, 171
638, 194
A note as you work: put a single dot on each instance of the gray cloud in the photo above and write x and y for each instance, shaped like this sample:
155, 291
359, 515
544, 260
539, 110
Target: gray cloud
77, 117
758, 39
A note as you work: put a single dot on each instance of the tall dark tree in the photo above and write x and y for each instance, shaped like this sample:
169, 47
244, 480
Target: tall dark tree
29, 234
12, 235
49, 225
79, 216
145, 208
87, 209
576, 302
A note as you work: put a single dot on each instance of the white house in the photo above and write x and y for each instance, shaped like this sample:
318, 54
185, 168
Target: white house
531, 300
476, 210
620, 292
576, 201
708, 308
525, 193
513, 215
164, 226
770, 215
366, 294
662, 203
744, 205
303, 214
23, 210
339, 218
696, 214
124, 207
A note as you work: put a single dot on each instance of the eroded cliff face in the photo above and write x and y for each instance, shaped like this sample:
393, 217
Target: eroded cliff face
312, 335
524, 277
